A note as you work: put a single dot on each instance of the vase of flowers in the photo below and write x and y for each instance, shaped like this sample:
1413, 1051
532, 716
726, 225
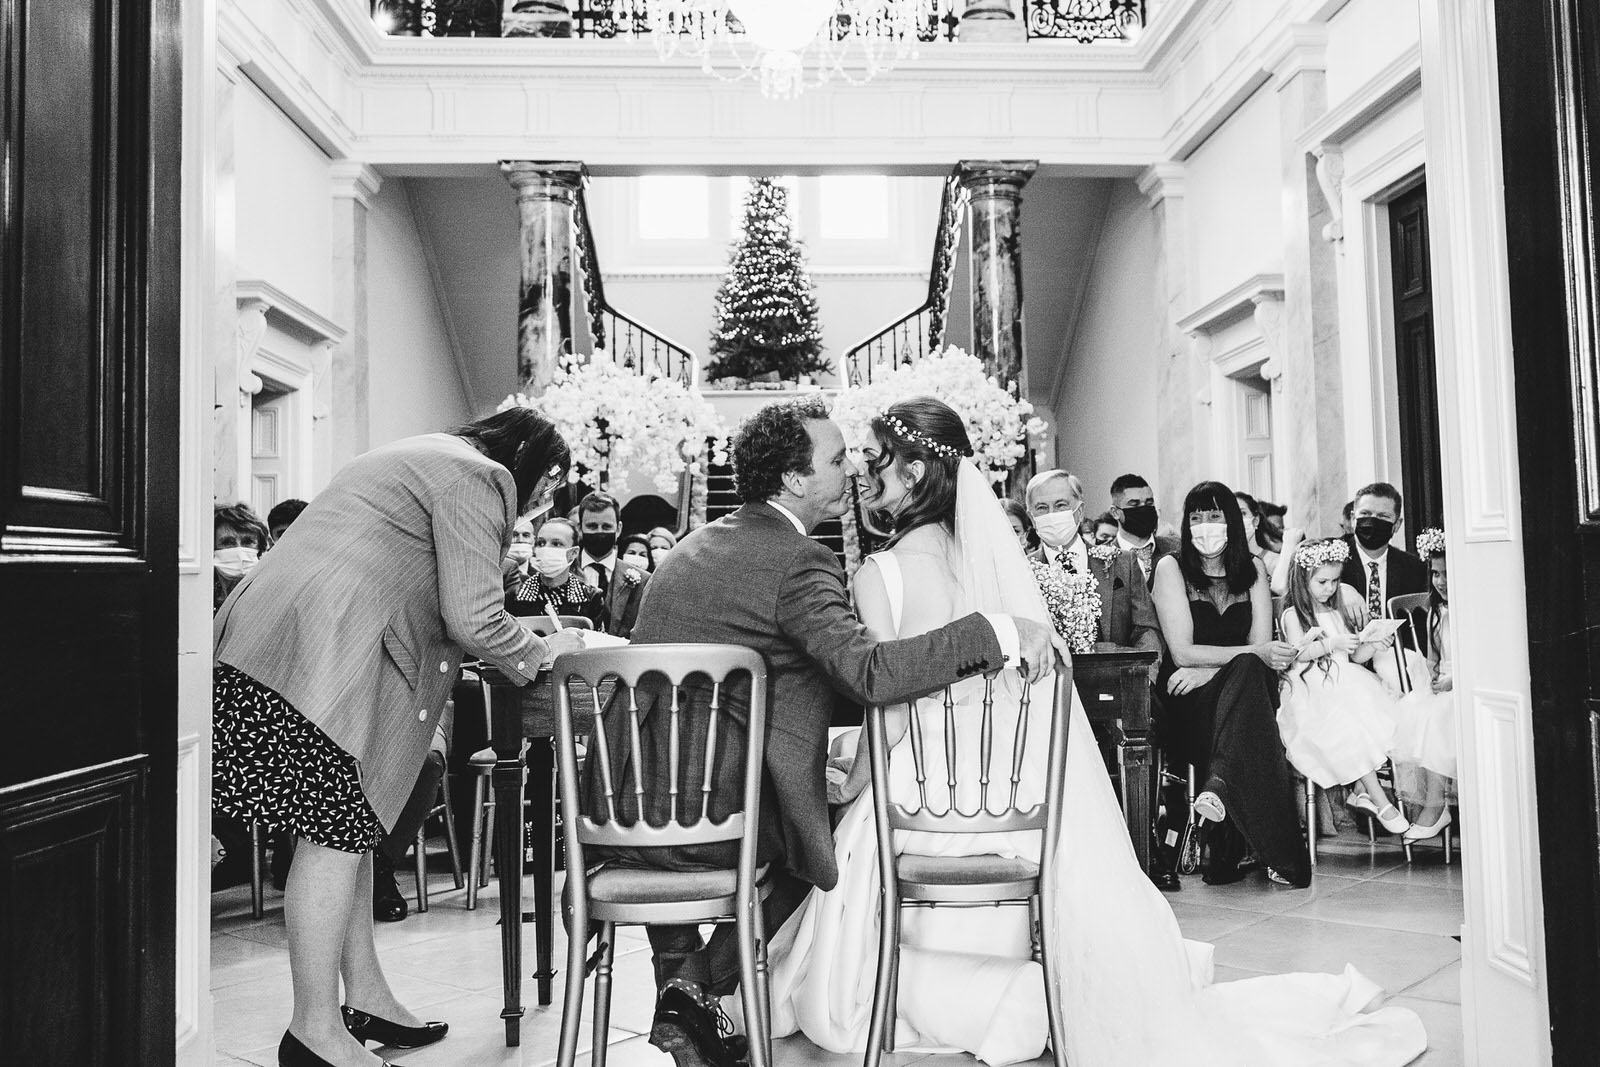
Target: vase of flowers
1073, 601
999, 423
617, 421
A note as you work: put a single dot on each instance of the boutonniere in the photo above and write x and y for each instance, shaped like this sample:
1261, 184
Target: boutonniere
632, 575
1104, 553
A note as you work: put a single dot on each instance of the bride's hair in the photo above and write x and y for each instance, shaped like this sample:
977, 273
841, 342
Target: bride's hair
921, 428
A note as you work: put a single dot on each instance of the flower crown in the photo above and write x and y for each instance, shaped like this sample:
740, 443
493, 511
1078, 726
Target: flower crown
905, 432
1314, 554
1430, 542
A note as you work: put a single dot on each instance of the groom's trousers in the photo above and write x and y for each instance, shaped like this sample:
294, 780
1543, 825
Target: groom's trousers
680, 952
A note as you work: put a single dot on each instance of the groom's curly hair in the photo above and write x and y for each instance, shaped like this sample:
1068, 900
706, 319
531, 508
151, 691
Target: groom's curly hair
771, 443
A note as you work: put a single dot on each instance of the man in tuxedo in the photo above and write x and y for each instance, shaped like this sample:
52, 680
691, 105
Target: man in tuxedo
1374, 568
756, 578
1127, 614
1133, 504
599, 520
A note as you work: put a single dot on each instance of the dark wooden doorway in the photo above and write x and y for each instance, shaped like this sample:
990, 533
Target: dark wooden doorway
88, 530
1416, 379
1549, 71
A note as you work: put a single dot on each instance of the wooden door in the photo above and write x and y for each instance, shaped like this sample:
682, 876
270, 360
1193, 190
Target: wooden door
1549, 64
1421, 476
88, 529
1253, 418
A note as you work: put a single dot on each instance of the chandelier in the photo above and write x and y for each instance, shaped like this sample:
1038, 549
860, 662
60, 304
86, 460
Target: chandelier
771, 40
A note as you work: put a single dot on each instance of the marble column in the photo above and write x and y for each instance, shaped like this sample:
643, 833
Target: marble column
1182, 362
1308, 397
222, 325
547, 197
354, 186
994, 220
991, 20
537, 18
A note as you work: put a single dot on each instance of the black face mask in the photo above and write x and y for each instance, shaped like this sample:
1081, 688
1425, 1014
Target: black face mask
598, 545
1373, 532
1139, 520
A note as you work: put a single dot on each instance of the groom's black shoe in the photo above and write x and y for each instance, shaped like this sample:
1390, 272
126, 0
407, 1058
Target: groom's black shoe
687, 1030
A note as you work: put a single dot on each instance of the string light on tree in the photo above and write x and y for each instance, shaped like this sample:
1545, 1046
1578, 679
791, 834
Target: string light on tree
766, 310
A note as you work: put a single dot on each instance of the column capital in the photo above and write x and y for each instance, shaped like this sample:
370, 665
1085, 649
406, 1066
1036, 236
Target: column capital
1163, 181
1300, 48
998, 177
353, 180
542, 180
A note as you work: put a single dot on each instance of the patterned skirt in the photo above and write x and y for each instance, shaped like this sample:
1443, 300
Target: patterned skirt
272, 765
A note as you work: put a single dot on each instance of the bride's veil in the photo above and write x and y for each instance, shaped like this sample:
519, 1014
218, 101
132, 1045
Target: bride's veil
994, 574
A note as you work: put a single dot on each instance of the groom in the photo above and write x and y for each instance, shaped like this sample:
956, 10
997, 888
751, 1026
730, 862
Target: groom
756, 578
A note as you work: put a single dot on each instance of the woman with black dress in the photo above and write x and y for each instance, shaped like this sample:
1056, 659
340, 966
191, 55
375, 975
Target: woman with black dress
1220, 688
334, 658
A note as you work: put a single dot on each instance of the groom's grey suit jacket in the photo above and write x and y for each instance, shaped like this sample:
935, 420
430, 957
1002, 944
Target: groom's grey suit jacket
752, 579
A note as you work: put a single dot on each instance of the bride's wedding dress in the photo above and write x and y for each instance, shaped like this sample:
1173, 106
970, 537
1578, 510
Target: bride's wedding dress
1135, 993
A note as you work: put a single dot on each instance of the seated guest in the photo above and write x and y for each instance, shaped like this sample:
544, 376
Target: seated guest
1022, 525
599, 519
1375, 569
634, 551
1133, 503
1220, 711
662, 541
283, 513
388, 903
1105, 529
1250, 510
1427, 747
1127, 617
1269, 534
1347, 524
238, 537
554, 583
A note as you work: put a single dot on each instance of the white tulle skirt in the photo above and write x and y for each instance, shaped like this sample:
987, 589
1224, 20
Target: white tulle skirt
1338, 724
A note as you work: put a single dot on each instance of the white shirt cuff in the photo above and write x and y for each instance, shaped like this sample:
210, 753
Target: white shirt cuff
1005, 631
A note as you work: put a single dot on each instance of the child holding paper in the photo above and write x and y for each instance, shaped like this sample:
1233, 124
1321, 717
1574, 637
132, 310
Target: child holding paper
1336, 719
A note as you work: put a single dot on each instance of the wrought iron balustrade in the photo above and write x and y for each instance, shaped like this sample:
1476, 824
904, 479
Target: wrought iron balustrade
1084, 21
629, 344
922, 329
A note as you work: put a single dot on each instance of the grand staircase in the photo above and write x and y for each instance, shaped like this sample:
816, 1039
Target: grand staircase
721, 500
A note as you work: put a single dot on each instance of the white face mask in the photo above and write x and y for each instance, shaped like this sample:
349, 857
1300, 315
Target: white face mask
551, 561
234, 562
659, 554
1058, 528
520, 551
1210, 538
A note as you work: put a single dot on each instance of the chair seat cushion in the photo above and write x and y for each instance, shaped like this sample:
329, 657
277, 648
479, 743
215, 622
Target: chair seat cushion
631, 885
965, 870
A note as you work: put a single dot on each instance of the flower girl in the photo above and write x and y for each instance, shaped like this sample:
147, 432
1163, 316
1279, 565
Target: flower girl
1336, 719
1425, 744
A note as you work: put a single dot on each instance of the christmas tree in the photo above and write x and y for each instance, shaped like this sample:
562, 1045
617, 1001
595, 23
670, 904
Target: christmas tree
767, 307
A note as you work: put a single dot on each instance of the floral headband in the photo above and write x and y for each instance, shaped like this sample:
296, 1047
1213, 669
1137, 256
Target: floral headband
1314, 554
905, 432
1430, 542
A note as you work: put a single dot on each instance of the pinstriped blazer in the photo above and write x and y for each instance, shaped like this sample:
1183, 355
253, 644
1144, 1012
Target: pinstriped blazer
361, 615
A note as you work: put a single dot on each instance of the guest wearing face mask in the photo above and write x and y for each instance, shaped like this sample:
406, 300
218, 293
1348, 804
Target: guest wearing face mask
238, 537
1133, 504
1220, 709
1022, 526
662, 542
515, 568
282, 516
1104, 529
599, 520
1375, 569
554, 581
634, 551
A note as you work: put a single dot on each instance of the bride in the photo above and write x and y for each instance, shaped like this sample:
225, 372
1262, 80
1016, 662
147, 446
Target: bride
1134, 992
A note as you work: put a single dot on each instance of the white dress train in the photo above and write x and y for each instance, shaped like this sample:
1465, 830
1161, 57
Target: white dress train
1135, 992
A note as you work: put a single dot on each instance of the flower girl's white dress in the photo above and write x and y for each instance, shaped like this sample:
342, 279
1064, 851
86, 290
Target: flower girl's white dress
1135, 993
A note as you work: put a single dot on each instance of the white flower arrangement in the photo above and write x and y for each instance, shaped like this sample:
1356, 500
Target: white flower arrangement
1074, 604
1430, 542
617, 421
1104, 553
999, 424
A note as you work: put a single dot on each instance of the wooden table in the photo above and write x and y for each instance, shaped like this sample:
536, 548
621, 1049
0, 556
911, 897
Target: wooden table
1114, 684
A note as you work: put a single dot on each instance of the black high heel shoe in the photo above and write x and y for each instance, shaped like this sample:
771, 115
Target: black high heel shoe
292, 1053
364, 1027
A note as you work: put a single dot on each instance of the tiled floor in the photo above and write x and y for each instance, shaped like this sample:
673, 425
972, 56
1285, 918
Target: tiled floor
1366, 907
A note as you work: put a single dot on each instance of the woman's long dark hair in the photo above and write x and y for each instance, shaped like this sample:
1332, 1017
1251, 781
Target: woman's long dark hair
1239, 565
525, 443
933, 498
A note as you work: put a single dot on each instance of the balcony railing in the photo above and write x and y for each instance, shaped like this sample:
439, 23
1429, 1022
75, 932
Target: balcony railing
1084, 21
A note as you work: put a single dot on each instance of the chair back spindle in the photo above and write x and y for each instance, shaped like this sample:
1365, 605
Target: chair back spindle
950, 745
